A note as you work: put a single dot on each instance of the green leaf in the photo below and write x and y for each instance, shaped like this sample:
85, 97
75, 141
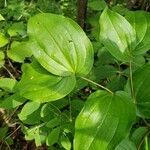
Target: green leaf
3, 40
103, 72
104, 121
141, 84
29, 113
97, 5
53, 136
126, 145
7, 84
2, 56
12, 101
65, 142
1, 18
19, 51
140, 21
53, 123
117, 35
138, 135
17, 29
3, 132
36, 134
39, 85
60, 45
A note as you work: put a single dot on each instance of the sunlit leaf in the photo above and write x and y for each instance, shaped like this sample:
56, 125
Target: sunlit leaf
104, 121
60, 45
39, 85
117, 35
65, 142
7, 84
1, 18
3, 40
140, 21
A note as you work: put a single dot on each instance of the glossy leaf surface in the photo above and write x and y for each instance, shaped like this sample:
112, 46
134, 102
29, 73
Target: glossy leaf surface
140, 21
37, 84
104, 121
60, 45
117, 35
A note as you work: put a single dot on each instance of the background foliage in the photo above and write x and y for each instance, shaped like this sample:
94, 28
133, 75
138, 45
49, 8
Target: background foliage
63, 124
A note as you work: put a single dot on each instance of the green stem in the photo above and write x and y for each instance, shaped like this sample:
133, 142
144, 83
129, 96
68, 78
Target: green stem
142, 141
131, 81
97, 84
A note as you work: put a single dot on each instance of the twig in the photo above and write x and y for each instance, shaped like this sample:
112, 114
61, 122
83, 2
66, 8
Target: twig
99, 85
11, 75
13, 132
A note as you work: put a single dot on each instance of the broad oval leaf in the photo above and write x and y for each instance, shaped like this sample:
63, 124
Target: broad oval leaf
38, 84
117, 35
104, 121
140, 20
141, 83
60, 45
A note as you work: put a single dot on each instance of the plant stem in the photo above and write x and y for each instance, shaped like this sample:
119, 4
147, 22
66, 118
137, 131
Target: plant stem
131, 81
99, 85
70, 108
142, 141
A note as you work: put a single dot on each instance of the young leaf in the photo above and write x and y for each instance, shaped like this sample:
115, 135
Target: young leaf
36, 134
117, 35
3, 40
65, 142
141, 84
60, 45
19, 51
28, 109
53, 136
104, 121
140, 21
17, 29
39, 85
